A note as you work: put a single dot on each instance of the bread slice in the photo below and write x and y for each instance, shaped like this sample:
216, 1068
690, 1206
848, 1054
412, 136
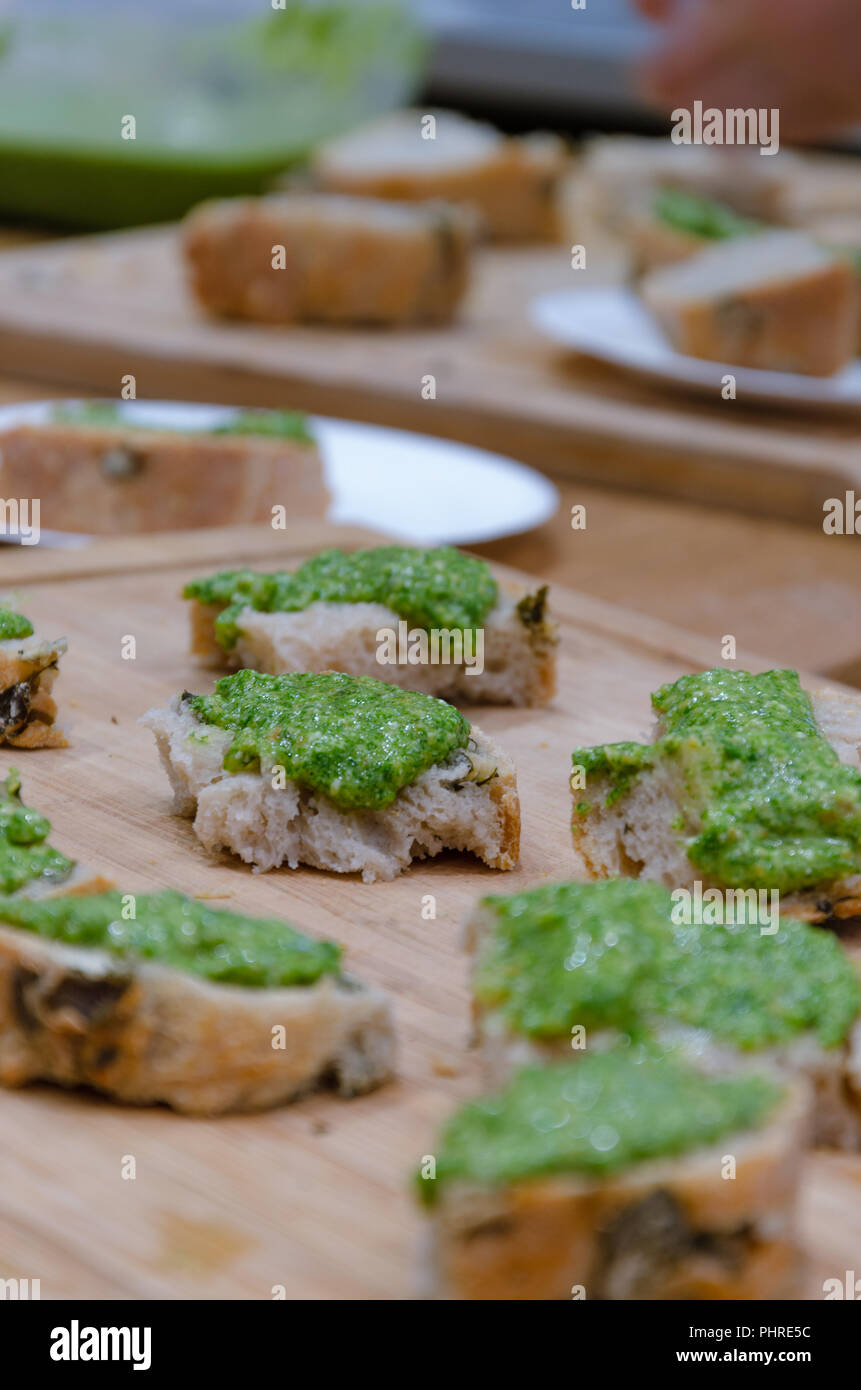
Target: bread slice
510, 182
622, 169
777, 301
144, 1033
30, 867
28, 669
468, 803
637, 834
519, 660
663, 1229
118, 480
833, 1074
342, 259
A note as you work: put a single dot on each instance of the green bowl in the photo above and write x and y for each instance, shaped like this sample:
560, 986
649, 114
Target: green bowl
219, 109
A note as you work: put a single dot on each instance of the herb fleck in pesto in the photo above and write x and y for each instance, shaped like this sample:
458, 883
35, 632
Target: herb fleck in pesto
355, 739
428, 588
225, 947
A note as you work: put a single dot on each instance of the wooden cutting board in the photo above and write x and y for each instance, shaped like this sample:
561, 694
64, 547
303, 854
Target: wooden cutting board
314, 1197
85, 312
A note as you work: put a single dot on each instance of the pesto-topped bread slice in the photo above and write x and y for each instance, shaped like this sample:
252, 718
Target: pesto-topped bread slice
435, 621
28, 668
103, 467
748, 783
28, 863
776, 301
609, 1178
325, 258
336, 771
155, 997
565, 969
511, 183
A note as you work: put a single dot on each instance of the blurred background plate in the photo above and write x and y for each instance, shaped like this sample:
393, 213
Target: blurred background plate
408, 486
612, 325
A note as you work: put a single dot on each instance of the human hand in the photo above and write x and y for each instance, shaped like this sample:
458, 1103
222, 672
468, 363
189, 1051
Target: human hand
802, 58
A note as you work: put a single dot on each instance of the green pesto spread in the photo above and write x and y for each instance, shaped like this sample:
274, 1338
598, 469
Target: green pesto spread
701, 217
440, 588
186, 934
24, 856
271, 424
14, 625
356, 739
595, 1117
765, 799
608, 955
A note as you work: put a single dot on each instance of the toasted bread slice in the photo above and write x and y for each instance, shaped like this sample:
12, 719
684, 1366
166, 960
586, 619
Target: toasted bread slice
323, 258
469, 803
145, 1033
120, 479
518, 665
636, 835
510, 182
28, 669
776, 301
665, 1228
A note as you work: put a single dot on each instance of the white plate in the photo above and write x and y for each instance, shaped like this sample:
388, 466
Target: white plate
613, 325
408, 486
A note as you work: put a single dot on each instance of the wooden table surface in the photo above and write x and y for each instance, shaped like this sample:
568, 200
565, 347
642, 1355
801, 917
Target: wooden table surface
313, 1197
787, 591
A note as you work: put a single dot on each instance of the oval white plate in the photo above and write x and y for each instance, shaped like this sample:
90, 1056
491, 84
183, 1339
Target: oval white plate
408, 486
611, 324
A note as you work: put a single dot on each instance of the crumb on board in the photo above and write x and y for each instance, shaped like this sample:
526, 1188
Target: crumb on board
444, 1066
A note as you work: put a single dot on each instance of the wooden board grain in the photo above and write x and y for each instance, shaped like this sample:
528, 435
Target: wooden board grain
315, 1197
87, 311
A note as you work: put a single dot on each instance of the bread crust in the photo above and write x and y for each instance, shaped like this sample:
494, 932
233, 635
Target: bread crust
519, 651
145, 1034
467, 803
28, 669
345, 260
665, 1229
105, 480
